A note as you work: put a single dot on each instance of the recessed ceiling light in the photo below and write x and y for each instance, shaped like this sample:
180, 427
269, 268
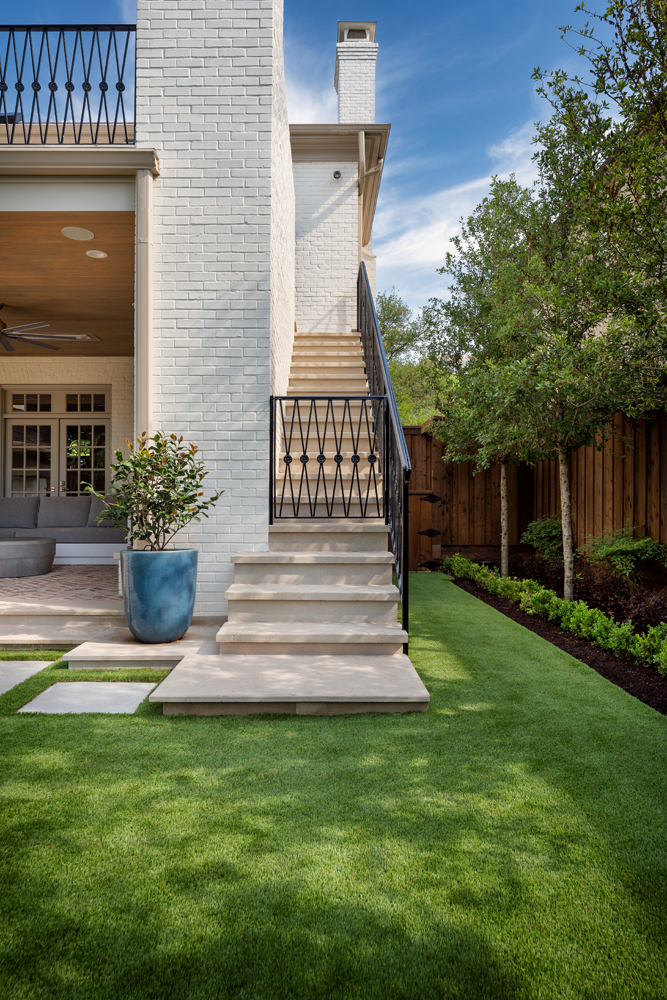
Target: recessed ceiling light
74, 233
97, 254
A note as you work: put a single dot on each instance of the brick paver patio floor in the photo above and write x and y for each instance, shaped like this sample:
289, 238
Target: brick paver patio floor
66, 583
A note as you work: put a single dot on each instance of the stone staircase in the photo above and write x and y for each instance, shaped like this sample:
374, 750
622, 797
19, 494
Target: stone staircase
312, 630
312, 623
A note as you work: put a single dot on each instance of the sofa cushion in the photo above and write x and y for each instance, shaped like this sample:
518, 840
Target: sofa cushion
77, 536
18, 512
96, 507
63, 512
11, 532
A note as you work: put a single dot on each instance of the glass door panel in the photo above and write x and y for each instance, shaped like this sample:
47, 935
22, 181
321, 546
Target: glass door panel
31, 452
84, 451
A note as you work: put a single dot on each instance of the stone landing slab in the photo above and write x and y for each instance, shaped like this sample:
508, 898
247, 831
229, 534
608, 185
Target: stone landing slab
117, 649
211, 684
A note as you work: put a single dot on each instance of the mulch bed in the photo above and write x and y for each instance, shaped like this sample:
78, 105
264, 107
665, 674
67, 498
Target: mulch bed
644, 683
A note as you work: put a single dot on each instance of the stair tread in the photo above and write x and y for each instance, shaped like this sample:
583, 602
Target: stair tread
312, 558
288, 678
311, 592
310, 631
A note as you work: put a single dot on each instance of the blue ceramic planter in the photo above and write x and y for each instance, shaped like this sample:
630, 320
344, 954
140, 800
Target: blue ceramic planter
159, 592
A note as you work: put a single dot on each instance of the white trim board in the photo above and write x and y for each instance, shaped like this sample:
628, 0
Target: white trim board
62, 194
91, 554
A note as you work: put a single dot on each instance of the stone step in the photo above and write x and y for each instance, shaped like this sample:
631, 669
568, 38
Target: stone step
210, 684
311, 602
311, 638
329, 536
321, 568
117, 649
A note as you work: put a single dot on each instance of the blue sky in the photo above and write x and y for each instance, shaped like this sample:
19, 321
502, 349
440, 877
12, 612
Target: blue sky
454, 80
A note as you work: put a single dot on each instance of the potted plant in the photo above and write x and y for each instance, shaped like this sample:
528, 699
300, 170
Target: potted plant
157, 490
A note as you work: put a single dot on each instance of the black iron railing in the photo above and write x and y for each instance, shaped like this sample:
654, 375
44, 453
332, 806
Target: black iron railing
397, 467
328, 457
66, 84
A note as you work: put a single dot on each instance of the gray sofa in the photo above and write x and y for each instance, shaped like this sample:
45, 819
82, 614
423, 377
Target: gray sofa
70, 520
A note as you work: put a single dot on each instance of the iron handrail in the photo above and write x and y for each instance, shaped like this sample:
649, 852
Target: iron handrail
398, 466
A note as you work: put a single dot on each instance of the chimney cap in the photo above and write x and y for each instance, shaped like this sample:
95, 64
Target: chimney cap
346, 26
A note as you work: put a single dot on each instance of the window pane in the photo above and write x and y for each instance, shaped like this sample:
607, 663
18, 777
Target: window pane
44, 482
17, 434
31, 434
31, 402
72, 482
31, 484
31, 458
99, 462
17, 483
45, 403
18, 402
45, 437
72, 403
17, 458
45, 459
85, 403
86, 480
99, 435
98, 481
99, 403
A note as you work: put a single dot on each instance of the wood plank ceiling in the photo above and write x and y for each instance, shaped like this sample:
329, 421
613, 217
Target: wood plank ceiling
45, 276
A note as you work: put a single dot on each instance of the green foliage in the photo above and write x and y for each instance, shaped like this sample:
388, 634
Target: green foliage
576, 617
624, 555
415, 387
157, 488
399, 333
546, 537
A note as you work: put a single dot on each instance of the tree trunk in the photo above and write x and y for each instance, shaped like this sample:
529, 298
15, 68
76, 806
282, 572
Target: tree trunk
566, 519
504, 522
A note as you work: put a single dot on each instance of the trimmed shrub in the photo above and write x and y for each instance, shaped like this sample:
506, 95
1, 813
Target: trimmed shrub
576, 617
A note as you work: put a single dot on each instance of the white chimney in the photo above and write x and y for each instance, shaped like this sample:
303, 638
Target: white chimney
354, 80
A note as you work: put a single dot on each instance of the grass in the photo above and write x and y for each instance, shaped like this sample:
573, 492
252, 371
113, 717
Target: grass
509, 843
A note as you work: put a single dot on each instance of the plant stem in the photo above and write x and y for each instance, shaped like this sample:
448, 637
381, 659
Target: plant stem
504, 521
566, 520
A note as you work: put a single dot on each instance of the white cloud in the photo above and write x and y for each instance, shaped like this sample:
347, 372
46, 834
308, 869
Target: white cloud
309, 103
128, 11
408, 253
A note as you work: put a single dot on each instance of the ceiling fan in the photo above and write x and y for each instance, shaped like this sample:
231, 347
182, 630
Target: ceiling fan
27, 334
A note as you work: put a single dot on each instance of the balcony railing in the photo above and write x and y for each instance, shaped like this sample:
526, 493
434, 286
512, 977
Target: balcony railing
67, 84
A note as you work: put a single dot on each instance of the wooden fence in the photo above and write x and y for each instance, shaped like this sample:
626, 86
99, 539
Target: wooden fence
453, 511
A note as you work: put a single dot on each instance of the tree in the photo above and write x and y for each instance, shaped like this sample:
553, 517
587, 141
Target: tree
399, 332
475, 326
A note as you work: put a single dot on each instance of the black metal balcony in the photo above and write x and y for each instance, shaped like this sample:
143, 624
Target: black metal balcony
67, 84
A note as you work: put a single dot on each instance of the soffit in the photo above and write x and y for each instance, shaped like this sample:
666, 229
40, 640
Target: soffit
46, 276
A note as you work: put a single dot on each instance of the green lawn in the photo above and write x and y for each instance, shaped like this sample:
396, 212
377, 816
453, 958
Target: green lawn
508, 843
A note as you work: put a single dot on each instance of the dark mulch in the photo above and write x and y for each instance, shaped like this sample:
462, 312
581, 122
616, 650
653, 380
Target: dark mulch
644, 683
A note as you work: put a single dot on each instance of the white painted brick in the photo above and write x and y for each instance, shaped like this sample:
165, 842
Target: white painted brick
326, 246
210, 100
355, 81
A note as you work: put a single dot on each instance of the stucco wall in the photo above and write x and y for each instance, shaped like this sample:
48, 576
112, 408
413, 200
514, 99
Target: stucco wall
282, 223
204, 102
327, 248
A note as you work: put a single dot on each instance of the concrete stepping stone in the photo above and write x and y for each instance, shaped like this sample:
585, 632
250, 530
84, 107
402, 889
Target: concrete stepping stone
13, 672
113, 697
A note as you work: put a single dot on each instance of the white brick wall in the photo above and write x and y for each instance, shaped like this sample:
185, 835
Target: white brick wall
282, 225
326, 246
204, 101
355, 81
49, 371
